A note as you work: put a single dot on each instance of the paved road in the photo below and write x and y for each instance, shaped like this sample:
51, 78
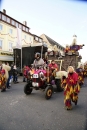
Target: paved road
34, 112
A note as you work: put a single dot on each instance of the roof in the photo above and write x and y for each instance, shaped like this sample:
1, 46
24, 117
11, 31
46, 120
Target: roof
37, 36
13, 19
52, 42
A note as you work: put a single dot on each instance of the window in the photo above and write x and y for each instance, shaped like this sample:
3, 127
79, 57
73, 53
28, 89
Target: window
36, 38
13, 22
40, 40
23, 28
10, 31
16, 24
10, 46
1, 27
4, 17
20, 26
1, 44
8, 20
26, 29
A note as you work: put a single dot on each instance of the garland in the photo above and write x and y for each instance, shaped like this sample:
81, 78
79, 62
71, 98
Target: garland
14, 37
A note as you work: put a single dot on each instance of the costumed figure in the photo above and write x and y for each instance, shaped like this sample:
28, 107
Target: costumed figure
71, 89
75, 48
85, 70
63, 81
80, 71
25, 72
53, 67
4, 75
2, 80
67, 49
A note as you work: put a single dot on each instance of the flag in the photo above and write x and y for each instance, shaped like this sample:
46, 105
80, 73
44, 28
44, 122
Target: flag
19, 40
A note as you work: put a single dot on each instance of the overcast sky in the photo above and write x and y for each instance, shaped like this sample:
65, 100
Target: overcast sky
59, 19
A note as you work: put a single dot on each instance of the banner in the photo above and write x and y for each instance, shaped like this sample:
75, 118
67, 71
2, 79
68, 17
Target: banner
19, 38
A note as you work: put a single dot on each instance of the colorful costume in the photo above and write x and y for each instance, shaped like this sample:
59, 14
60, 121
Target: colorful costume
71, 90
80, 72
25, 73
2, 80
67, 49
53, 67
76, 47
85, 70
63, 82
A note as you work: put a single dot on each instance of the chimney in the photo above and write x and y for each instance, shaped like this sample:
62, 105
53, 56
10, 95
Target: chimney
4, 11
25, 23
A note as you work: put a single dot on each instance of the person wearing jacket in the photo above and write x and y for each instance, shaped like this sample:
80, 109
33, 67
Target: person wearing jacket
15, 74
38, 60
9, 78
53, 65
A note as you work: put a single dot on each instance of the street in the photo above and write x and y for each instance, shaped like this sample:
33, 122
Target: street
34, 112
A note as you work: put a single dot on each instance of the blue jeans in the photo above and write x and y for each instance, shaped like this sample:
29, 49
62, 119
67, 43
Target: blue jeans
15, 78
8, 81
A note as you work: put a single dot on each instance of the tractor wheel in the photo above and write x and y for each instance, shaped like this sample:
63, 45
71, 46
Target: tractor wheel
27, 89
48, 92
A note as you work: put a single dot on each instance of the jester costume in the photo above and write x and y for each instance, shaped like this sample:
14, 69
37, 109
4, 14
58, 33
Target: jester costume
71, 90
80, 72
2, 80
63, 82
85, 70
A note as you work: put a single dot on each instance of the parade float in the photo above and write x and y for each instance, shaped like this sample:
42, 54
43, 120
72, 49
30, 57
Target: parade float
69, 57
72, 56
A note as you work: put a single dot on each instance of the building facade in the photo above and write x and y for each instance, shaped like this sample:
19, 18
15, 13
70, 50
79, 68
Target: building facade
51, 43
8, 36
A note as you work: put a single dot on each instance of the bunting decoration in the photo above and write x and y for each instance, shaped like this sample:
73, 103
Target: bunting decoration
15, 38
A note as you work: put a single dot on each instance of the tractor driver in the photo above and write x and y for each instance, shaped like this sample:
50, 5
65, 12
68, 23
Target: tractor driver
38, 60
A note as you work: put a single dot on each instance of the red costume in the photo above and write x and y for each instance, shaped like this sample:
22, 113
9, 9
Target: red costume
72, 79
71, 90
53, 66
2, 80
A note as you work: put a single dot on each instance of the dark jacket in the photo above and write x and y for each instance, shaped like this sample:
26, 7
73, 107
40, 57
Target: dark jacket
15, 72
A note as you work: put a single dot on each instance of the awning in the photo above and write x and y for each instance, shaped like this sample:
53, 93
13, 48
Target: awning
32, 45
6, 58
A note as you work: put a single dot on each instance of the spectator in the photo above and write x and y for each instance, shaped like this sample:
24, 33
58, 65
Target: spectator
10, 77
15, 74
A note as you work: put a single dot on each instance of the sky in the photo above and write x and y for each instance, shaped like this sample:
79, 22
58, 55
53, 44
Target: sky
58, 19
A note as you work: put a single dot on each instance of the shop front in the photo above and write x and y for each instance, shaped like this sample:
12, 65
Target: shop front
6, 57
